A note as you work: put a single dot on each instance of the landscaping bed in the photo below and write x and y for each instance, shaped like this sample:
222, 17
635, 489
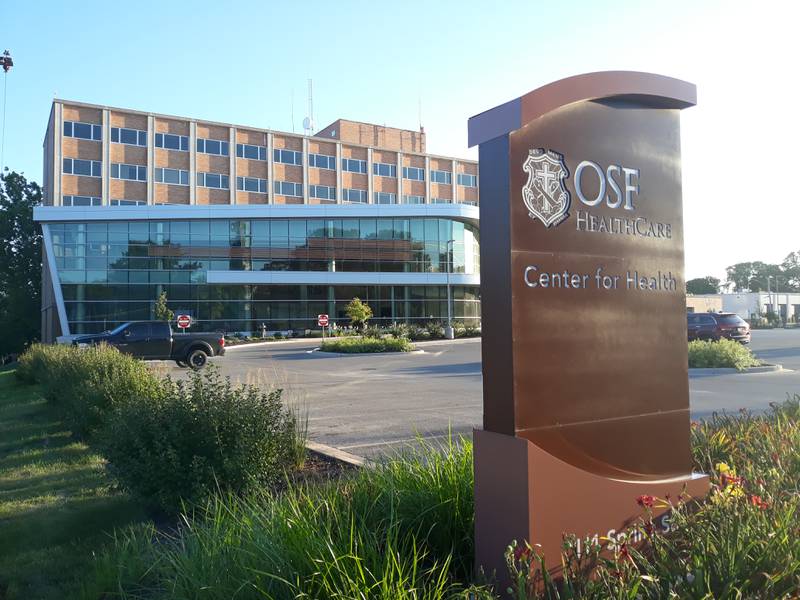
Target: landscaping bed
721, 354
398, 530
352, 345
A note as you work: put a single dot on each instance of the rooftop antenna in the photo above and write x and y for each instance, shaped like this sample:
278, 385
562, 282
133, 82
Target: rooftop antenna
7, 62
292, 110
308, 122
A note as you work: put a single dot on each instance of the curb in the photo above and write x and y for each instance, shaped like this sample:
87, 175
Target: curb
258, 344
339, 455
729, 371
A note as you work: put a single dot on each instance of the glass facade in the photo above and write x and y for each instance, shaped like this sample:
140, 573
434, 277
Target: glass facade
111, 272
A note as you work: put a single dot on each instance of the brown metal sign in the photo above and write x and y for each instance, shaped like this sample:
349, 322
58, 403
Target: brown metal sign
584, 328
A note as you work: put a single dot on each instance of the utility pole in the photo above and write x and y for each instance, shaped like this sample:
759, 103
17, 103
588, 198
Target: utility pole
6, 62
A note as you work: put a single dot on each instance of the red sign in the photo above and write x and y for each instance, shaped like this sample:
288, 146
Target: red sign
322, 320
184, 321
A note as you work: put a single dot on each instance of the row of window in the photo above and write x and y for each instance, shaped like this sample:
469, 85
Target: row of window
213, 180
169, 141
84, 131
92, 168
131, 137
251, 184
77, 166
427, 229
95, 201
217, 147
130, 172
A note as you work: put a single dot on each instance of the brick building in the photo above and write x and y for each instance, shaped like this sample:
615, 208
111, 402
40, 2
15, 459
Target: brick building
244, 227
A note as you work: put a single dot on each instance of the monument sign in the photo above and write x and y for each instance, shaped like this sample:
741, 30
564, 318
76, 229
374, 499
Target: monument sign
586, 395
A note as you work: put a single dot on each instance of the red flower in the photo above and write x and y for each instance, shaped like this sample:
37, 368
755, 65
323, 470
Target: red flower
521, 552
759, 502
623, 550
731, 479
645, 500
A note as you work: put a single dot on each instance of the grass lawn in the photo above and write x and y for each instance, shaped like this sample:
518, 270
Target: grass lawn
57, 505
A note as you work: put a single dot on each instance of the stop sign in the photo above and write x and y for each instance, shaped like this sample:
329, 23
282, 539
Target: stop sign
184, 321
322, 320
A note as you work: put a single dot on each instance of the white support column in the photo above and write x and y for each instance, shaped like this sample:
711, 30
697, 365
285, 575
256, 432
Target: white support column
427, 180
270, 171
106, 154
151, 158
232, 168
454, 181
399, 179
338, 172
54, 281
193, 162
370, 182
58, 161
305, 171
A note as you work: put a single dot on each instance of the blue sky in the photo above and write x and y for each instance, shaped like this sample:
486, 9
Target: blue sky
378, 62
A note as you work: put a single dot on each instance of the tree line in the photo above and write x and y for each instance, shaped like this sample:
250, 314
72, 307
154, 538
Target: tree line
755, 276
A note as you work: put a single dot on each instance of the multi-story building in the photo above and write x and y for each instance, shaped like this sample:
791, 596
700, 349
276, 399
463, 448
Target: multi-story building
245, 227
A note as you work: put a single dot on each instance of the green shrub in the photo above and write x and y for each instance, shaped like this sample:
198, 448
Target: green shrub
400, 330
87, 383
399, 531
33, 364
197, 436
721, 354
357, 345
435, 330
372, 332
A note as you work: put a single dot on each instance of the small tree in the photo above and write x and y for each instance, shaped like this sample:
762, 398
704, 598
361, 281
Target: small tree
359, 313
162, 311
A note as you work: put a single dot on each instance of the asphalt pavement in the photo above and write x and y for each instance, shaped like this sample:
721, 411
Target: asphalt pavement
380, 403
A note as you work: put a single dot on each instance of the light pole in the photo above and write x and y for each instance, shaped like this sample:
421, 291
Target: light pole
448, 330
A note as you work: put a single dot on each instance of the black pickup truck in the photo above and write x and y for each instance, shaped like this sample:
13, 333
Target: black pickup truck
155, 340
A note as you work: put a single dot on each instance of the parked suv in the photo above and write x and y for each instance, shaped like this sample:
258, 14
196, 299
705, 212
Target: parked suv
714, 326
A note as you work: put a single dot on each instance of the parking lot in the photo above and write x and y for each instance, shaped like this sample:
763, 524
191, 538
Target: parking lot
372, 404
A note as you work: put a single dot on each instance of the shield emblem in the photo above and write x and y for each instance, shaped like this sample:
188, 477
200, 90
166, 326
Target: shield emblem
545, 195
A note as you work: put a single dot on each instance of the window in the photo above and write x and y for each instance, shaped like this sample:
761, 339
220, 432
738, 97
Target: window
172, 142
359, 196
441, 201
131, 172
172, 176
132, 137
413, 199
217, 147
128, 203
384, 169
76, 166
385, 198
84, 131
322, 161
213, 180
354, 166
289, 157
467, 180
81, 201
288, 188
322, 191
251, 184
251, 152
415, 173
441, 176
